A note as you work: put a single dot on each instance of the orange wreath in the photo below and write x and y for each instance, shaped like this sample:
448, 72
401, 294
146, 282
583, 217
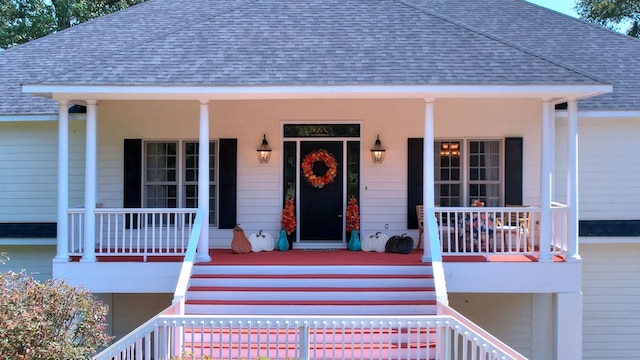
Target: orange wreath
315, 180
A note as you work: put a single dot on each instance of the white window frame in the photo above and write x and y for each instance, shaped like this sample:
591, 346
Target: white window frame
465, 181
181, 183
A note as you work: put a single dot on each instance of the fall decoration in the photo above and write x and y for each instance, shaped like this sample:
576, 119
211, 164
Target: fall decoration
319, 180
375, 242
262, 242
288, 222
353, 215
477, 203
240, 244
401, 244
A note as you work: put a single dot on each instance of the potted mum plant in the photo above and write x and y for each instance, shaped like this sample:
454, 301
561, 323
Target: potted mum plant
288, 225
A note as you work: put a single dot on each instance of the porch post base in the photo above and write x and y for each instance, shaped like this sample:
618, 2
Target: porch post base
61, 259
427, 258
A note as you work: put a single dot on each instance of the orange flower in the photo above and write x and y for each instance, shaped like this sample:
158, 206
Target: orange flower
288, 222
353, 215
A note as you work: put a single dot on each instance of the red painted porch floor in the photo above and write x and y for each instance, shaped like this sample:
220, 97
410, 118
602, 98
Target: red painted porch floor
323, 257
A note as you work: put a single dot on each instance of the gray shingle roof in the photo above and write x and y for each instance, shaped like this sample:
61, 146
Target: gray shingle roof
321, 42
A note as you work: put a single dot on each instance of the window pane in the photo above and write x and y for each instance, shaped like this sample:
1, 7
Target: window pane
485, 181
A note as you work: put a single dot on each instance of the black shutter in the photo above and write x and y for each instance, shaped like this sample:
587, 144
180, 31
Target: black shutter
132, 173
415, 156
513, 168
228, 163
132, 192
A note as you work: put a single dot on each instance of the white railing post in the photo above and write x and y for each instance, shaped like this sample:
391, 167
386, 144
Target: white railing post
203, 182
546, 181
304, 341
90, 183
62, 243
572, 182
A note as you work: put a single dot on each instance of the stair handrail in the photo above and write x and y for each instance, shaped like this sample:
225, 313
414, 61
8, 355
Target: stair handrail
187, 264
446, 310
136, 335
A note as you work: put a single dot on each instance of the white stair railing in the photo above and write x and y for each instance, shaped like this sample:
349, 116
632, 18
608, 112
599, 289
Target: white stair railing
186, 270
307, 337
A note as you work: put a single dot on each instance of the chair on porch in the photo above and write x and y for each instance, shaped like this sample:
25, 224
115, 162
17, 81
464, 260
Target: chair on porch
444, 231
514, 230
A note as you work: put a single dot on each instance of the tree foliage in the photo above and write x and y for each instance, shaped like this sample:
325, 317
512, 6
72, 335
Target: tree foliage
612, 13
48, 320
25, 20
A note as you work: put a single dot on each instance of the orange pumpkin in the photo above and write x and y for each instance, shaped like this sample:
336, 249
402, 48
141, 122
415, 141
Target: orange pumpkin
240, 244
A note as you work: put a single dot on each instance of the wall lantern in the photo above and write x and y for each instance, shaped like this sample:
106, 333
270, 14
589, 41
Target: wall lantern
264, 151
377, 152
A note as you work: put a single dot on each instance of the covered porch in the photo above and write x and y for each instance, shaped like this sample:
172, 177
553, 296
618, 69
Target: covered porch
101, 228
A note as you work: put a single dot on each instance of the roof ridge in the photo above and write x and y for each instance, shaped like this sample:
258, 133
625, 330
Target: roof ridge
419, 7
120, 50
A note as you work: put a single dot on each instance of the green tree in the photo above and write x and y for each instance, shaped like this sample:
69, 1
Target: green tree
49, 320
25, 20
612, 14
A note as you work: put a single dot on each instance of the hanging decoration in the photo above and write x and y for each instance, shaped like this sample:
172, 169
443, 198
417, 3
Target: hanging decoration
308, 165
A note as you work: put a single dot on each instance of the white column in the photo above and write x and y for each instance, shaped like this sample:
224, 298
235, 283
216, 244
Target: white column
546, 179
572, 181
568, 327
203, 182
90, 183
431, 239
542, 326
62, 253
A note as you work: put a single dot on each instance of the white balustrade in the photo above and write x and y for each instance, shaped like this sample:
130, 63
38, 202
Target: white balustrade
134, 232
508, 230
307, 337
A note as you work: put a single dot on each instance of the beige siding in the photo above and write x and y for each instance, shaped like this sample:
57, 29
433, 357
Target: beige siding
36, 260
383, 187
608, 172
128, 311
611, 287
506, 316
28, 174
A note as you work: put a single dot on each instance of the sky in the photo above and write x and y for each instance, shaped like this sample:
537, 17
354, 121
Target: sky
563, 6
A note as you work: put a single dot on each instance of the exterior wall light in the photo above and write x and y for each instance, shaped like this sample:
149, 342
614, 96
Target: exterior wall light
264, 151
377, 152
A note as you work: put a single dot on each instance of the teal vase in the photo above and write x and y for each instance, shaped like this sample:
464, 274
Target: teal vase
354, 241
283, 242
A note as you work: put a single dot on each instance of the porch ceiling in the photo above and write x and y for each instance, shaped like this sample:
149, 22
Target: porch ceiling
78, 93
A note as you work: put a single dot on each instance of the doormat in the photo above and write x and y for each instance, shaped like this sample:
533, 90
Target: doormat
325, 250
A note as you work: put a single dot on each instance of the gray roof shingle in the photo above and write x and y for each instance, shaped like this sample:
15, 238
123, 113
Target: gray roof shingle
322, 42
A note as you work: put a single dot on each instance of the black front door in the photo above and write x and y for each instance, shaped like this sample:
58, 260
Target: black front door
321, 193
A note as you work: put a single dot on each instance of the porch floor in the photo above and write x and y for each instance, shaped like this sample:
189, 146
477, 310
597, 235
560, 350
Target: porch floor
323, 257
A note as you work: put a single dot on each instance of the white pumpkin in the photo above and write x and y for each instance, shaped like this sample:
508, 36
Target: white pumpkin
262, 242
375, 242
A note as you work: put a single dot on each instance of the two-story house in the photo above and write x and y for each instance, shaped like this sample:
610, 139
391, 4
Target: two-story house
400, 104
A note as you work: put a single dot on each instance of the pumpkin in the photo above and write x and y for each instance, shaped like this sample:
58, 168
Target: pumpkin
375, 242
261, 242
240, 244
401, 244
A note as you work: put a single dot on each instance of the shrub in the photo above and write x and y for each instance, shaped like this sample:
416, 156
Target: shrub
48, 320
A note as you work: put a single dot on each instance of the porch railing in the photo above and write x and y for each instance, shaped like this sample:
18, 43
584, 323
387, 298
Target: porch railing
509, 230
305, 337
133, 232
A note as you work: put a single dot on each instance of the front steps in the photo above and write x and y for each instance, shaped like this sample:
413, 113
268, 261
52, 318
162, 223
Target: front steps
311, 290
